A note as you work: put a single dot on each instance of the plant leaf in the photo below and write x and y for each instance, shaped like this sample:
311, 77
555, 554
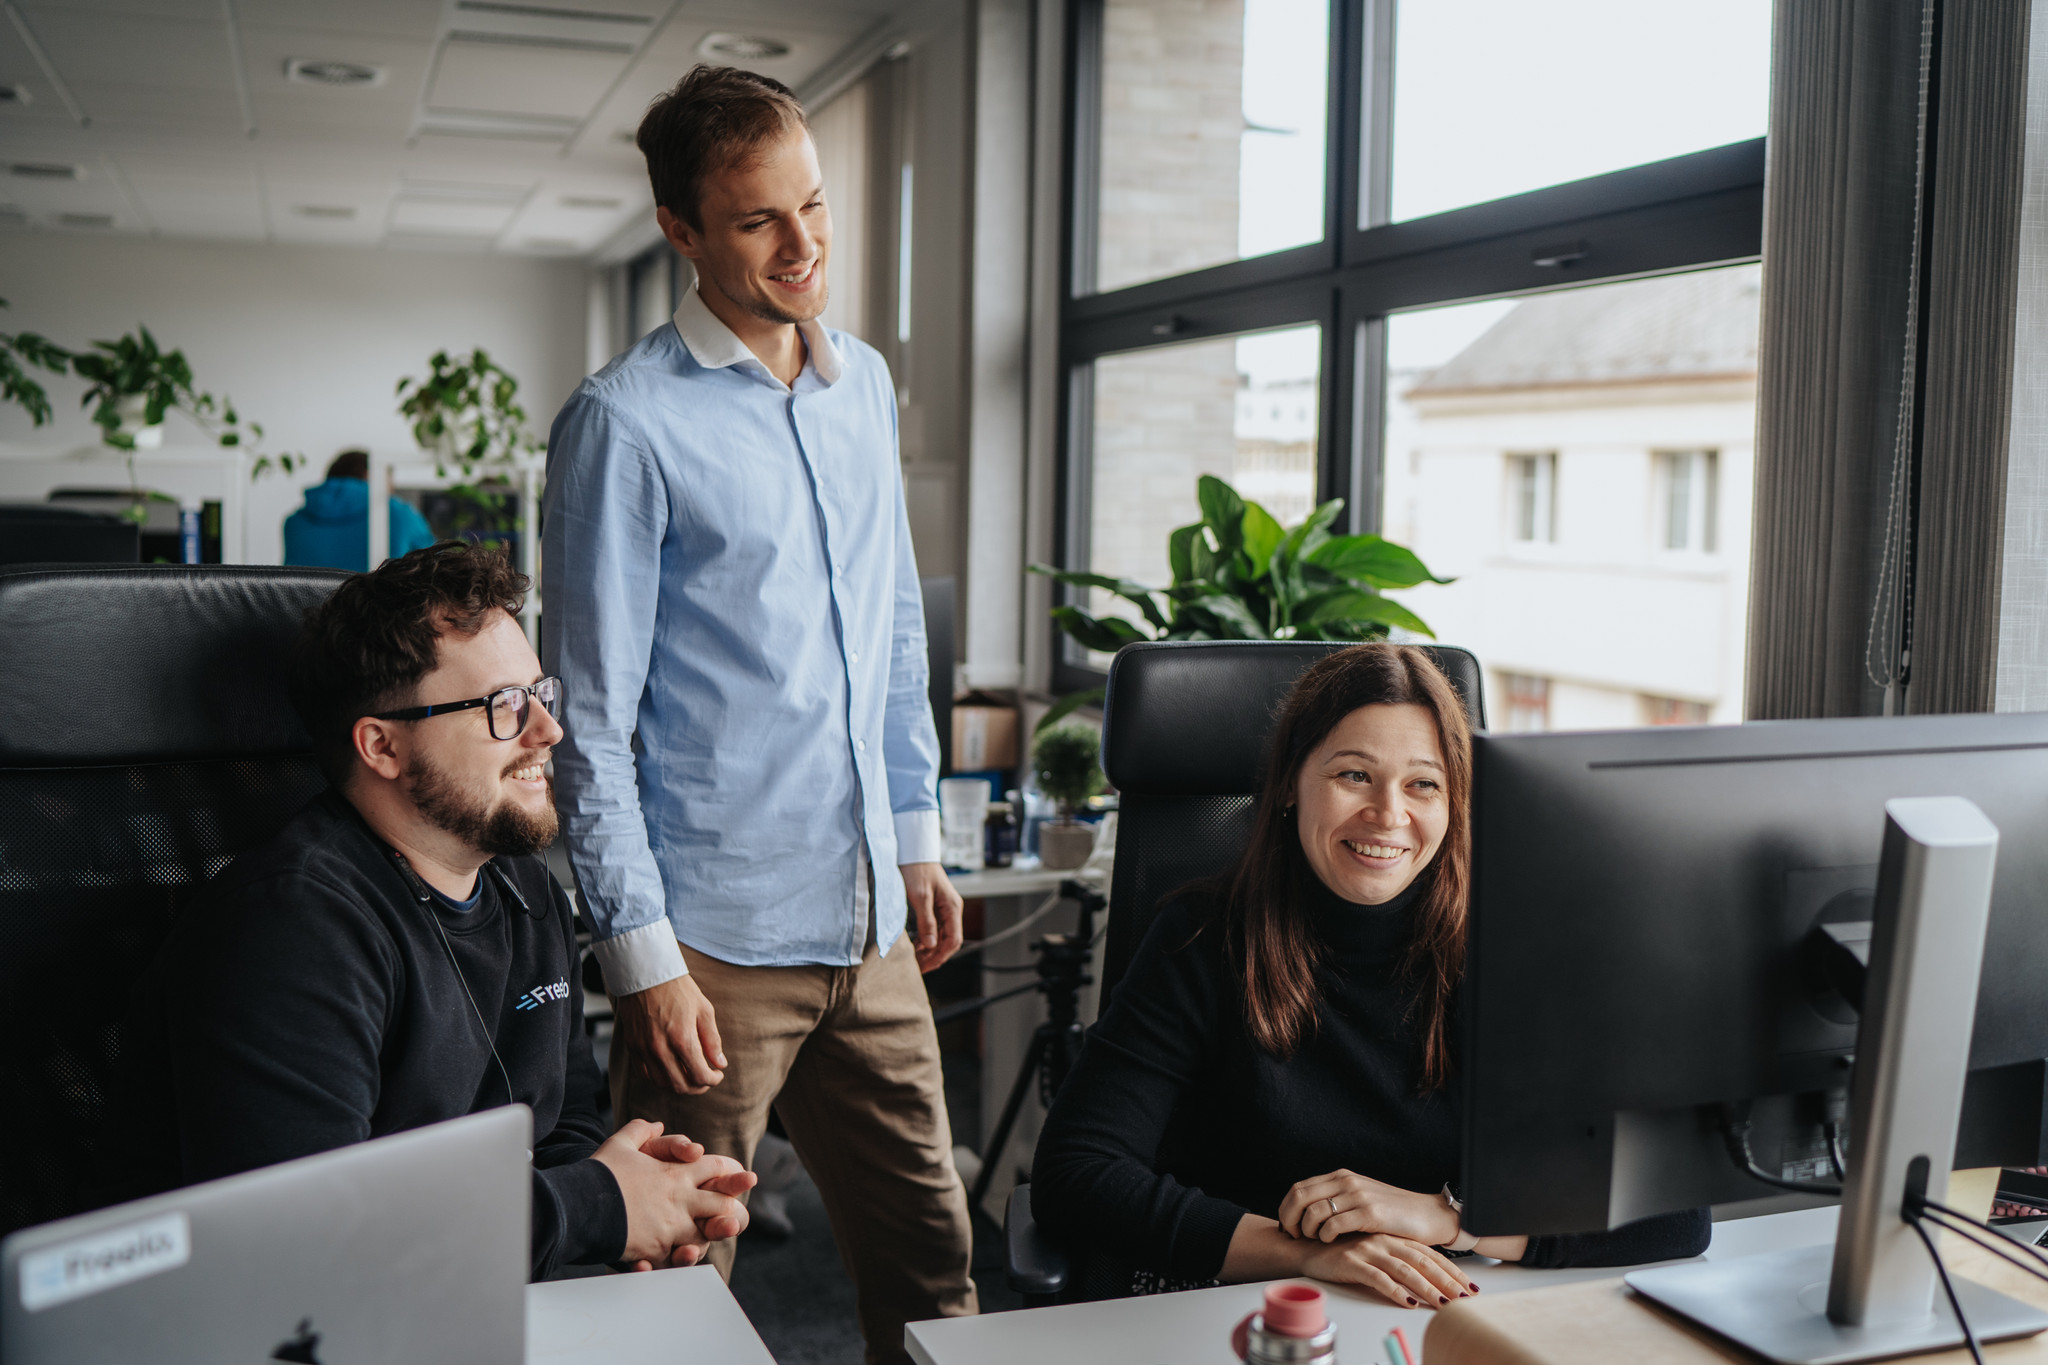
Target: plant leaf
1133, 592
1234, 620
1222, 513
1067, 706
1262, 536
1105, 634
1353, 605
1373, 560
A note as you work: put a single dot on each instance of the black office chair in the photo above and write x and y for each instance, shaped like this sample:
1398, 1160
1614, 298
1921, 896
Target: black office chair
1184, 728
145, 740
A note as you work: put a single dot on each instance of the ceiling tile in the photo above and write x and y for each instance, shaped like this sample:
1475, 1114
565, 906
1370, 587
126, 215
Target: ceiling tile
505, 78
218, 207
143, 54
211, 114
449, 217
387, 18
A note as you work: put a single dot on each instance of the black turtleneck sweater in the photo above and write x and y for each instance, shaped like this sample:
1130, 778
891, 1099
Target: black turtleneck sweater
1174, 1124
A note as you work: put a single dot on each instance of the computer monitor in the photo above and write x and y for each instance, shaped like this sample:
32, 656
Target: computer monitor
1642, 954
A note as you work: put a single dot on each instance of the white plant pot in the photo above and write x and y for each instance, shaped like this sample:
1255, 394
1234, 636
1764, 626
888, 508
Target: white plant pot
132, 409
1063, 846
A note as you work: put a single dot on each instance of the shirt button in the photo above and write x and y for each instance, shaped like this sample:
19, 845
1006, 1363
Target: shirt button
861, 745
856, 656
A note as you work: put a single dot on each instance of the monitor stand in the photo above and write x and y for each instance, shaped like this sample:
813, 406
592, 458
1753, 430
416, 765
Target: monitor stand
1875, 1294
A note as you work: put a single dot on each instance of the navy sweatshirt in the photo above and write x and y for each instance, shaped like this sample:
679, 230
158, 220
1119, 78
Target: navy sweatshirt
1174, 1124
306, 1002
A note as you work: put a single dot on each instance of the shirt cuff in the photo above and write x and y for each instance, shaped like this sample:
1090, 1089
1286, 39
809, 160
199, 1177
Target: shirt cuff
640, 958
917, 836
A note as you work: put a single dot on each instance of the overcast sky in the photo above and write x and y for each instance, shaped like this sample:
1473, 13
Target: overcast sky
1491, 98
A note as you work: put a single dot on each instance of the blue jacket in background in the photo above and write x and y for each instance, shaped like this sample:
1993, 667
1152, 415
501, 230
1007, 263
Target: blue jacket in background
332, 531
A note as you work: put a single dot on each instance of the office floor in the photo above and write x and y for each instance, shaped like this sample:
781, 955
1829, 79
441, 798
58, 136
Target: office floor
798, 1296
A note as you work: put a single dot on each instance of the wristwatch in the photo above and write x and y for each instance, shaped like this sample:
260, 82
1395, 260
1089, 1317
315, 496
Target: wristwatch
1464, 1241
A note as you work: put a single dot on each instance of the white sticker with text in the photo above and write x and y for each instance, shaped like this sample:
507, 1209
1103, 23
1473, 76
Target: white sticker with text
73, 1270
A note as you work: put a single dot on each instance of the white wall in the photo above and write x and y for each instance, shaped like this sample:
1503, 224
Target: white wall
309, 341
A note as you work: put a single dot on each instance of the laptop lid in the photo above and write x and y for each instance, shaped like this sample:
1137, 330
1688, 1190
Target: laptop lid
410, 1247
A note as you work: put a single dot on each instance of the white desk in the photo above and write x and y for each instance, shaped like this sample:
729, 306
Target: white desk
660, 1317
1194, 1328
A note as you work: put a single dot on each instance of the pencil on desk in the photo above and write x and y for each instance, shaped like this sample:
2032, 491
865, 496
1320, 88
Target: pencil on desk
1401, 1340
1393, 1349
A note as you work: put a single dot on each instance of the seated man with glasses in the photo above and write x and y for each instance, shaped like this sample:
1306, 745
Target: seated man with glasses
397, 955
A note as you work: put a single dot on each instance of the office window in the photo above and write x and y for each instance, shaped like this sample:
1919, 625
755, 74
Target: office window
1212, 117
1688, 491
1241, 408
1640, 398
1497, 97
1524, 702
1532, 498
1235, 172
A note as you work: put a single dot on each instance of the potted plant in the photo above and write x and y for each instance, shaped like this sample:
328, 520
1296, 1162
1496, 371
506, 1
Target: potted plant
466, 413
1066, 759
1239, 575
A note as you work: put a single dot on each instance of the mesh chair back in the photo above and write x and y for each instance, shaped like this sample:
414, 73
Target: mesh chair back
1184, 727
145, 740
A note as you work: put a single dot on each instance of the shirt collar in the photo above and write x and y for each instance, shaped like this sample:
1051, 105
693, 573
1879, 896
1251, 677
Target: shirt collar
714, 345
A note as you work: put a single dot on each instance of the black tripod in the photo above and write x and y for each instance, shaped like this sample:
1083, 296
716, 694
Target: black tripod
1062, 972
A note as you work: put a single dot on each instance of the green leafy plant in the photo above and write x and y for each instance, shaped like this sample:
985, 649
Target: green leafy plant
19, 350
467, 412
1066, 759
132, 382
1239, 575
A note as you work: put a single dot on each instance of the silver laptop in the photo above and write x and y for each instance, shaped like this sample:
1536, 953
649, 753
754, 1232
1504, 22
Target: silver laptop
409, 1248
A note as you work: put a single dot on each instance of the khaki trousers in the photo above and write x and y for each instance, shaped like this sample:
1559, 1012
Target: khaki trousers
850, 1058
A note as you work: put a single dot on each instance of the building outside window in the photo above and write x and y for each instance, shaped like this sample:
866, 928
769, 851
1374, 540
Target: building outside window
1673, 711
1688, 493
1279, 217
1532, 498
1524, 702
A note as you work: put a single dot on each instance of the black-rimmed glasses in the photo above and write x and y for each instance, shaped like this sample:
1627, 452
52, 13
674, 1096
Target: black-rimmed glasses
508, 710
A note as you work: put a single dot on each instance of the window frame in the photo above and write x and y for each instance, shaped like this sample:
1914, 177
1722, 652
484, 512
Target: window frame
1691, 212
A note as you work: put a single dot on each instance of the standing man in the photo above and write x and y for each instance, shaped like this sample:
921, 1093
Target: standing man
749, 778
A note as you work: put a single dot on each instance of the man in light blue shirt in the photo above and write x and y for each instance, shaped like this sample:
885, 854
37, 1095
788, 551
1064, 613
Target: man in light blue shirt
748, 782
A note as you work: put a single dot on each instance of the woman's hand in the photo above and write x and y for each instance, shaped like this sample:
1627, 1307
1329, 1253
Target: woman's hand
1408, 1273
1329, 1206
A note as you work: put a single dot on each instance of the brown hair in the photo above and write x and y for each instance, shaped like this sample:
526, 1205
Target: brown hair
715, 118
1266, 926
366, 647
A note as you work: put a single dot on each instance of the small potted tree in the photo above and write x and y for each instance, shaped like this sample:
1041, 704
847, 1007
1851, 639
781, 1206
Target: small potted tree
1065, 758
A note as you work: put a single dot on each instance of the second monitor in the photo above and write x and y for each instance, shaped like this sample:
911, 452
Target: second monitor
1645, 963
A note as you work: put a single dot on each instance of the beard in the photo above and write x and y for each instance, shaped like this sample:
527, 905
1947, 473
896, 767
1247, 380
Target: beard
768, 312
493, 828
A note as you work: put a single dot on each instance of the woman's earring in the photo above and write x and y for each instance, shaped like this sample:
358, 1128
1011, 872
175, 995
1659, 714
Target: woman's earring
1287, 812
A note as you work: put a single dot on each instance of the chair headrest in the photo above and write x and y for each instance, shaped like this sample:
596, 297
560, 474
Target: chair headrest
1190, 717
150, 664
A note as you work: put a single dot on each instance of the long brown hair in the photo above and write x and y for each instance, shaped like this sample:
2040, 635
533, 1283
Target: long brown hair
1266, 925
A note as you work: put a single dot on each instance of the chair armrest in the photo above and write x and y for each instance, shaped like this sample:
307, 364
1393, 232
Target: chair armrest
1037, 1268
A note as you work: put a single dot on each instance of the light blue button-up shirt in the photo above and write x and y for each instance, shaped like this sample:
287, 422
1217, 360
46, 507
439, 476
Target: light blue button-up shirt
733, 607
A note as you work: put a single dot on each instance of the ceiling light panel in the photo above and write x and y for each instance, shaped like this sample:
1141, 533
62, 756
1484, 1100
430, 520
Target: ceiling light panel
347, 210
445, 217
517, 79
332, 73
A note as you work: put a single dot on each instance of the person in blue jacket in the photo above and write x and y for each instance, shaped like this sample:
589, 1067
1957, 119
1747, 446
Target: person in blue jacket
332, 531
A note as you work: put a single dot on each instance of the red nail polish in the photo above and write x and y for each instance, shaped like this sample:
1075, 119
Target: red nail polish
1442, 1299
1412, 1303
1473, 1287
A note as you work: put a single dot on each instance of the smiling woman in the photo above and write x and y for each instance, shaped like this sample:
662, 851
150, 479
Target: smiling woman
1272, 1091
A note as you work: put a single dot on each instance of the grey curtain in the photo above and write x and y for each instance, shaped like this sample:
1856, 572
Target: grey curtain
1860, 549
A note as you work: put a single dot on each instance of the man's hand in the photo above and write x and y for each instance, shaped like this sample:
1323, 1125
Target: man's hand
1329, 1206
671, 1033
678, 1200
936, 907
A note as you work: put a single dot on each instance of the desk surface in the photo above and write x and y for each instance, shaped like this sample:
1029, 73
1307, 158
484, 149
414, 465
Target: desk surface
660, 1317
1194, 1328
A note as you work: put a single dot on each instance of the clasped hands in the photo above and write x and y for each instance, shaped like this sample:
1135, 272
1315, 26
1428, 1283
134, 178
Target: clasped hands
678, 1199
1377, 1236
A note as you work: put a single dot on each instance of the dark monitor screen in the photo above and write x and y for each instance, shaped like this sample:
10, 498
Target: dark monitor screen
1640, 956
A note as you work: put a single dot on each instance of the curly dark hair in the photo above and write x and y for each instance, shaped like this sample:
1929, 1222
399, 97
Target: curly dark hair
716, 117
366, 647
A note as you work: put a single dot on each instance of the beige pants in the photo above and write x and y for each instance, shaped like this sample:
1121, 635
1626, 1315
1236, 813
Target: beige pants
850, 1059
